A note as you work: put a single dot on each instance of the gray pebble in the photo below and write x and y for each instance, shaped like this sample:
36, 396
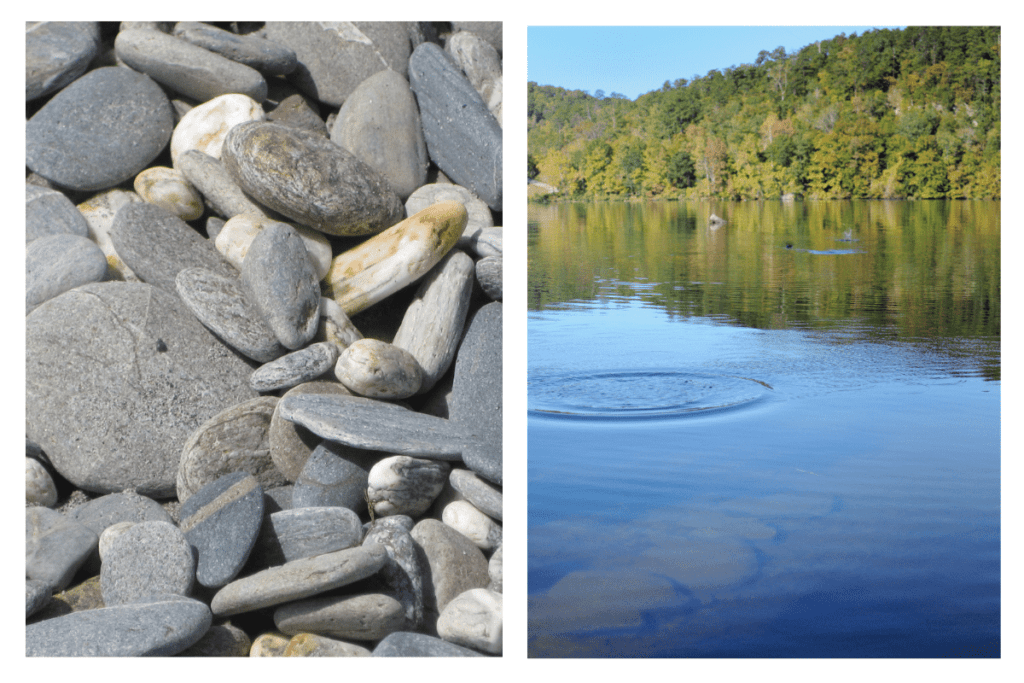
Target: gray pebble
482, 494
305, 532
480, 62
99, 131
149, 558
489, 274
295, 111
295, 368
400, 485
370, 616
486, 242
310, 179
56, 53
494, 569
221, 521
298, 579
456, 565
101, 513
403, 572
406, 644
290, 443
147, 375
48, 212
187, 68
55, 547
162, 626
488, 30
373, 368
474, 619
216, 185
380, 124
57, 263
477, 391
37, 595
278, 499
255, 52
333, 477
220, 641
221, 305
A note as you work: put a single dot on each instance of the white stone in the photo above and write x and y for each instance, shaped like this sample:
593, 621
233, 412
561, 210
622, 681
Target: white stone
376, 369
39, 486
479, 214
99, 212
402, 485
494, 570
462, 516
473, 619
111, 534
168, 188
205, 127
237, 233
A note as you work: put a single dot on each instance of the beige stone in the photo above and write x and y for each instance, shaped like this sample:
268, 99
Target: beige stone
272, 644
99, 212
376, 369
168, 188
205, 127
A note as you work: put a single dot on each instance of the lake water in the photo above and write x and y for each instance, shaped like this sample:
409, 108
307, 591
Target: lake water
779, 437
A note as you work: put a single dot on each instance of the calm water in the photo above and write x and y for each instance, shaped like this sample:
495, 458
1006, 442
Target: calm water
777, 438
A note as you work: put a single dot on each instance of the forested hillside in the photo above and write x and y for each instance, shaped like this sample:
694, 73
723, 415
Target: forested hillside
911, 113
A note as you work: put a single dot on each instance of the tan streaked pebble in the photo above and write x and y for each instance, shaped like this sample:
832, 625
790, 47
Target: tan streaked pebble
271, 644
236, 236
395, 258
312, 645
169, 189
376, 369
335, 326
205, 127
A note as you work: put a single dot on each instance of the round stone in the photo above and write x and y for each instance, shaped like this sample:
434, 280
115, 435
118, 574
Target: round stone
168, 189
39, 486
99, 131
149, 559
401, 485
56, 53
48, 212
376, 369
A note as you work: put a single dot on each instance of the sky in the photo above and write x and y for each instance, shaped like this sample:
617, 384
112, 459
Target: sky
634, 60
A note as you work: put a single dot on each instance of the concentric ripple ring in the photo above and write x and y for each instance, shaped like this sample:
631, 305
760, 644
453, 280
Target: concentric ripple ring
638, 394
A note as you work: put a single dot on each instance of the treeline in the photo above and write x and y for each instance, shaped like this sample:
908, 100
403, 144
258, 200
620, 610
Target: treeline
911, 113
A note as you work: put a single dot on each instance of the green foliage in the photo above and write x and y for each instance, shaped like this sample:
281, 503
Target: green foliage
911, 113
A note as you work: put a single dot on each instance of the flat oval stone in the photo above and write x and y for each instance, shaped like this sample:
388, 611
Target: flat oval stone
168, 189
156, 245
163, 626
456, 565
292, 444
57, 263
222, 306
48, 212
99, 131
400, 485
463, 137
332, 478
234, 440
298, 579
312, 645
370, 367
483, 495
358, 617
384, 264
145, 374
407, 644
489, 275
101, 513
221, 521
432, 326
56, 53
473, 619
149, 558
55, 547
187, 68
477, 391
278, 277
263, 55
310, 179
215, 184
235, 238
291, 535
462, 516
205, 127
479, 215
295, 368
380, 124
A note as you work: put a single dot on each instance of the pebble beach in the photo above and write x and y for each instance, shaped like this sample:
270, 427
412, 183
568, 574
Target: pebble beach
264, 339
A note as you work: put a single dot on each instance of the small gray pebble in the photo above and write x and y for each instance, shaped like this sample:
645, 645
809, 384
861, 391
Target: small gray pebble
149, 558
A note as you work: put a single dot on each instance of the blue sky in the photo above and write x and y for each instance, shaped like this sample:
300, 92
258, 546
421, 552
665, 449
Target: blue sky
633, 60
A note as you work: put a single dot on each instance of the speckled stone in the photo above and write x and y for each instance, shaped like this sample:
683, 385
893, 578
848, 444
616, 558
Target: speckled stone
312, 645
105, 511
99, 131
305, 532
406, 644
290, 443
295, 368
205, 127
296, 111
220, 641
473, 619
456, 565
57, 263
370, 616
479, 215
168, 189
48, 212
221, 521
269, 645
221, 305
482, 494
37, 595
479, 60
462, 516
489, 275
279, 279
187, 68
216, 185
144, 384
55, 547
162, 626
263, 55
39, 486
373, 368
111, 534
235, 440
335, 326
56, 53
150, 558
310, 179
334, 476
298, 579
400, 485
494, 570
477, 391
403, 572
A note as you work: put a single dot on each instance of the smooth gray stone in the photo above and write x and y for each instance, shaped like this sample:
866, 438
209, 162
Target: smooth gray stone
488, 30
403, 572
221, 522
216, 185
220, 641
105, 511
221, 305
380, 124
480, 493
489, 275
187, 68
454, 564
49, 212
213, 227
55, 547
486, 242
406, 644
336, 56
463, 137
290, 443
401, 485
494, 569
145, 375
378, 426
477, 394
148, 558
37, 595
56, 53
57, 263
263, 55
295, 111
276, 500
297, 533
234, 440
309, 179
99, 131
298, 579
278, 277
296, 367
160, 627
332, 477
370, 616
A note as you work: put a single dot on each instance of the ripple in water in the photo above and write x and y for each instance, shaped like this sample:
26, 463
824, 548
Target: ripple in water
639, 394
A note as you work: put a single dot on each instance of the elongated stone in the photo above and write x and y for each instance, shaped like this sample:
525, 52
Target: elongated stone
397, 257
168, 188
214, 182
295, 368
310, 179
205, 127
253, 51
480, 216
407, 644
236, 236
480, 493
403, 572
370, 367
357, 617
294, 534
477, 391
432, 326
312, 645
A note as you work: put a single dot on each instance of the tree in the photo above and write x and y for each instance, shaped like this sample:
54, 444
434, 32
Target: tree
531, 167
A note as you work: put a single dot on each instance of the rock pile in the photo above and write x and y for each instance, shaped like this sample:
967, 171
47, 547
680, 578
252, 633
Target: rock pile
264, 322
